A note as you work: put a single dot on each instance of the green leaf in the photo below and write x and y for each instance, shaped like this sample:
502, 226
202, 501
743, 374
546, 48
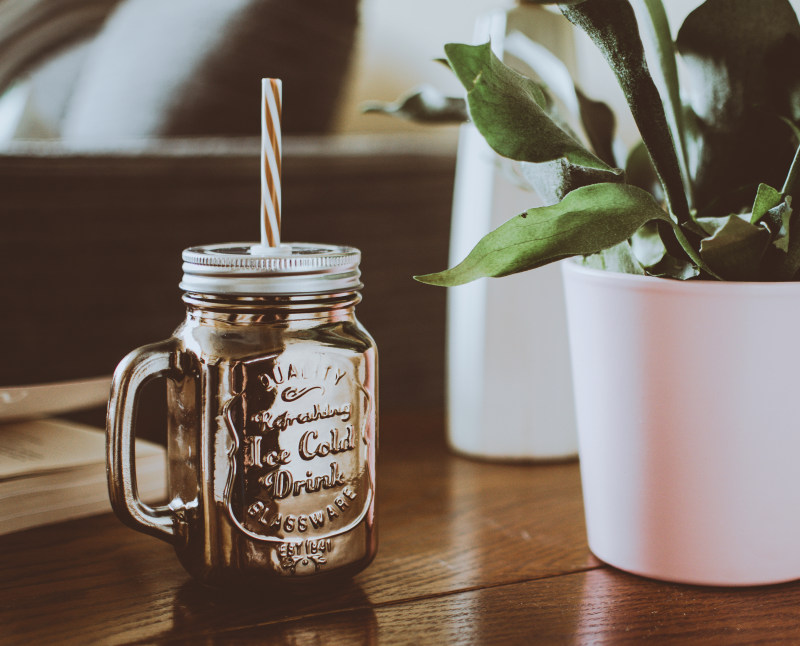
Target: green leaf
649, 249
672, 267
766, 198
712, 225
599, 123
773, 211
553, 180
741, 57
639, 171
424, 104
695, 229
611, 24
783, 263
647, 245
586, 221
618, 258
736, 248
596, 117
509, 110
777, 220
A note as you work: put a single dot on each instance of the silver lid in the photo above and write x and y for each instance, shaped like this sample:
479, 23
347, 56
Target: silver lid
246, 268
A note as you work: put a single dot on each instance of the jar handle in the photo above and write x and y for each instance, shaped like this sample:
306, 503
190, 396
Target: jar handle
154, 361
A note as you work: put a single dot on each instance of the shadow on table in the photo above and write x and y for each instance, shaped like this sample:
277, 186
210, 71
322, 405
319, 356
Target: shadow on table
335, 613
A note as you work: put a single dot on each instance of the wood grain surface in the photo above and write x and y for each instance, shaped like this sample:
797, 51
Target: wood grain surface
447, 524
470, 553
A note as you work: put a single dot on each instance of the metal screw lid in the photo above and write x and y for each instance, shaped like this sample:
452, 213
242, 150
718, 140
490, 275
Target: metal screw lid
246, 268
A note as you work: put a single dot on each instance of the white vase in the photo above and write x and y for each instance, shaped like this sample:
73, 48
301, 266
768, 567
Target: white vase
688, 423
509, 386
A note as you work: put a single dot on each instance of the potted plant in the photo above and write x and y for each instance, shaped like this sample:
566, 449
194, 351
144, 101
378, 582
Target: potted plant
683, 297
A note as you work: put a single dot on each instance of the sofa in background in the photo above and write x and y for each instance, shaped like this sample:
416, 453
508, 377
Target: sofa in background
90, 244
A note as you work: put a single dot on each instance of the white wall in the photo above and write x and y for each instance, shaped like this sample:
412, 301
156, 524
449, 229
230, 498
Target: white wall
399, 41
398, 44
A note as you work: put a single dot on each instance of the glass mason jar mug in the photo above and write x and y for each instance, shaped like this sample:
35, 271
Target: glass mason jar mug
272, 418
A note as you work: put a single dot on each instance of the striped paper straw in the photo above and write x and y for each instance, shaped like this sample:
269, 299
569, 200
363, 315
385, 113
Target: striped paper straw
271, 96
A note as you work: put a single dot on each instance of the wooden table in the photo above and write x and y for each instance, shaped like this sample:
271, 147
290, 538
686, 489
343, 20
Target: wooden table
470, 553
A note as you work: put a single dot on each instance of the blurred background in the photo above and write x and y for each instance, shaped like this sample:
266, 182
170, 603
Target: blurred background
129, 131
95, 69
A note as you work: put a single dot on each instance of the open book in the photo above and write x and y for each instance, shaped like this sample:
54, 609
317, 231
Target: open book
53, 470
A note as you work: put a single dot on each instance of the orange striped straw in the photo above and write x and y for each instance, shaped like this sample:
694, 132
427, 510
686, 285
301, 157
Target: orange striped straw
271, 97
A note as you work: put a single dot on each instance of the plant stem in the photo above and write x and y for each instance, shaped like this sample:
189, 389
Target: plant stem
612, 26
793, 178
660, 33
691, 251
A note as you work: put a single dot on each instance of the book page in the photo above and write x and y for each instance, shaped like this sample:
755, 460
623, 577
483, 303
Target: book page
39, 400
42, 445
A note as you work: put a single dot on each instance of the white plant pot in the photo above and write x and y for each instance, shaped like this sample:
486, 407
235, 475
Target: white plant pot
688, 410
